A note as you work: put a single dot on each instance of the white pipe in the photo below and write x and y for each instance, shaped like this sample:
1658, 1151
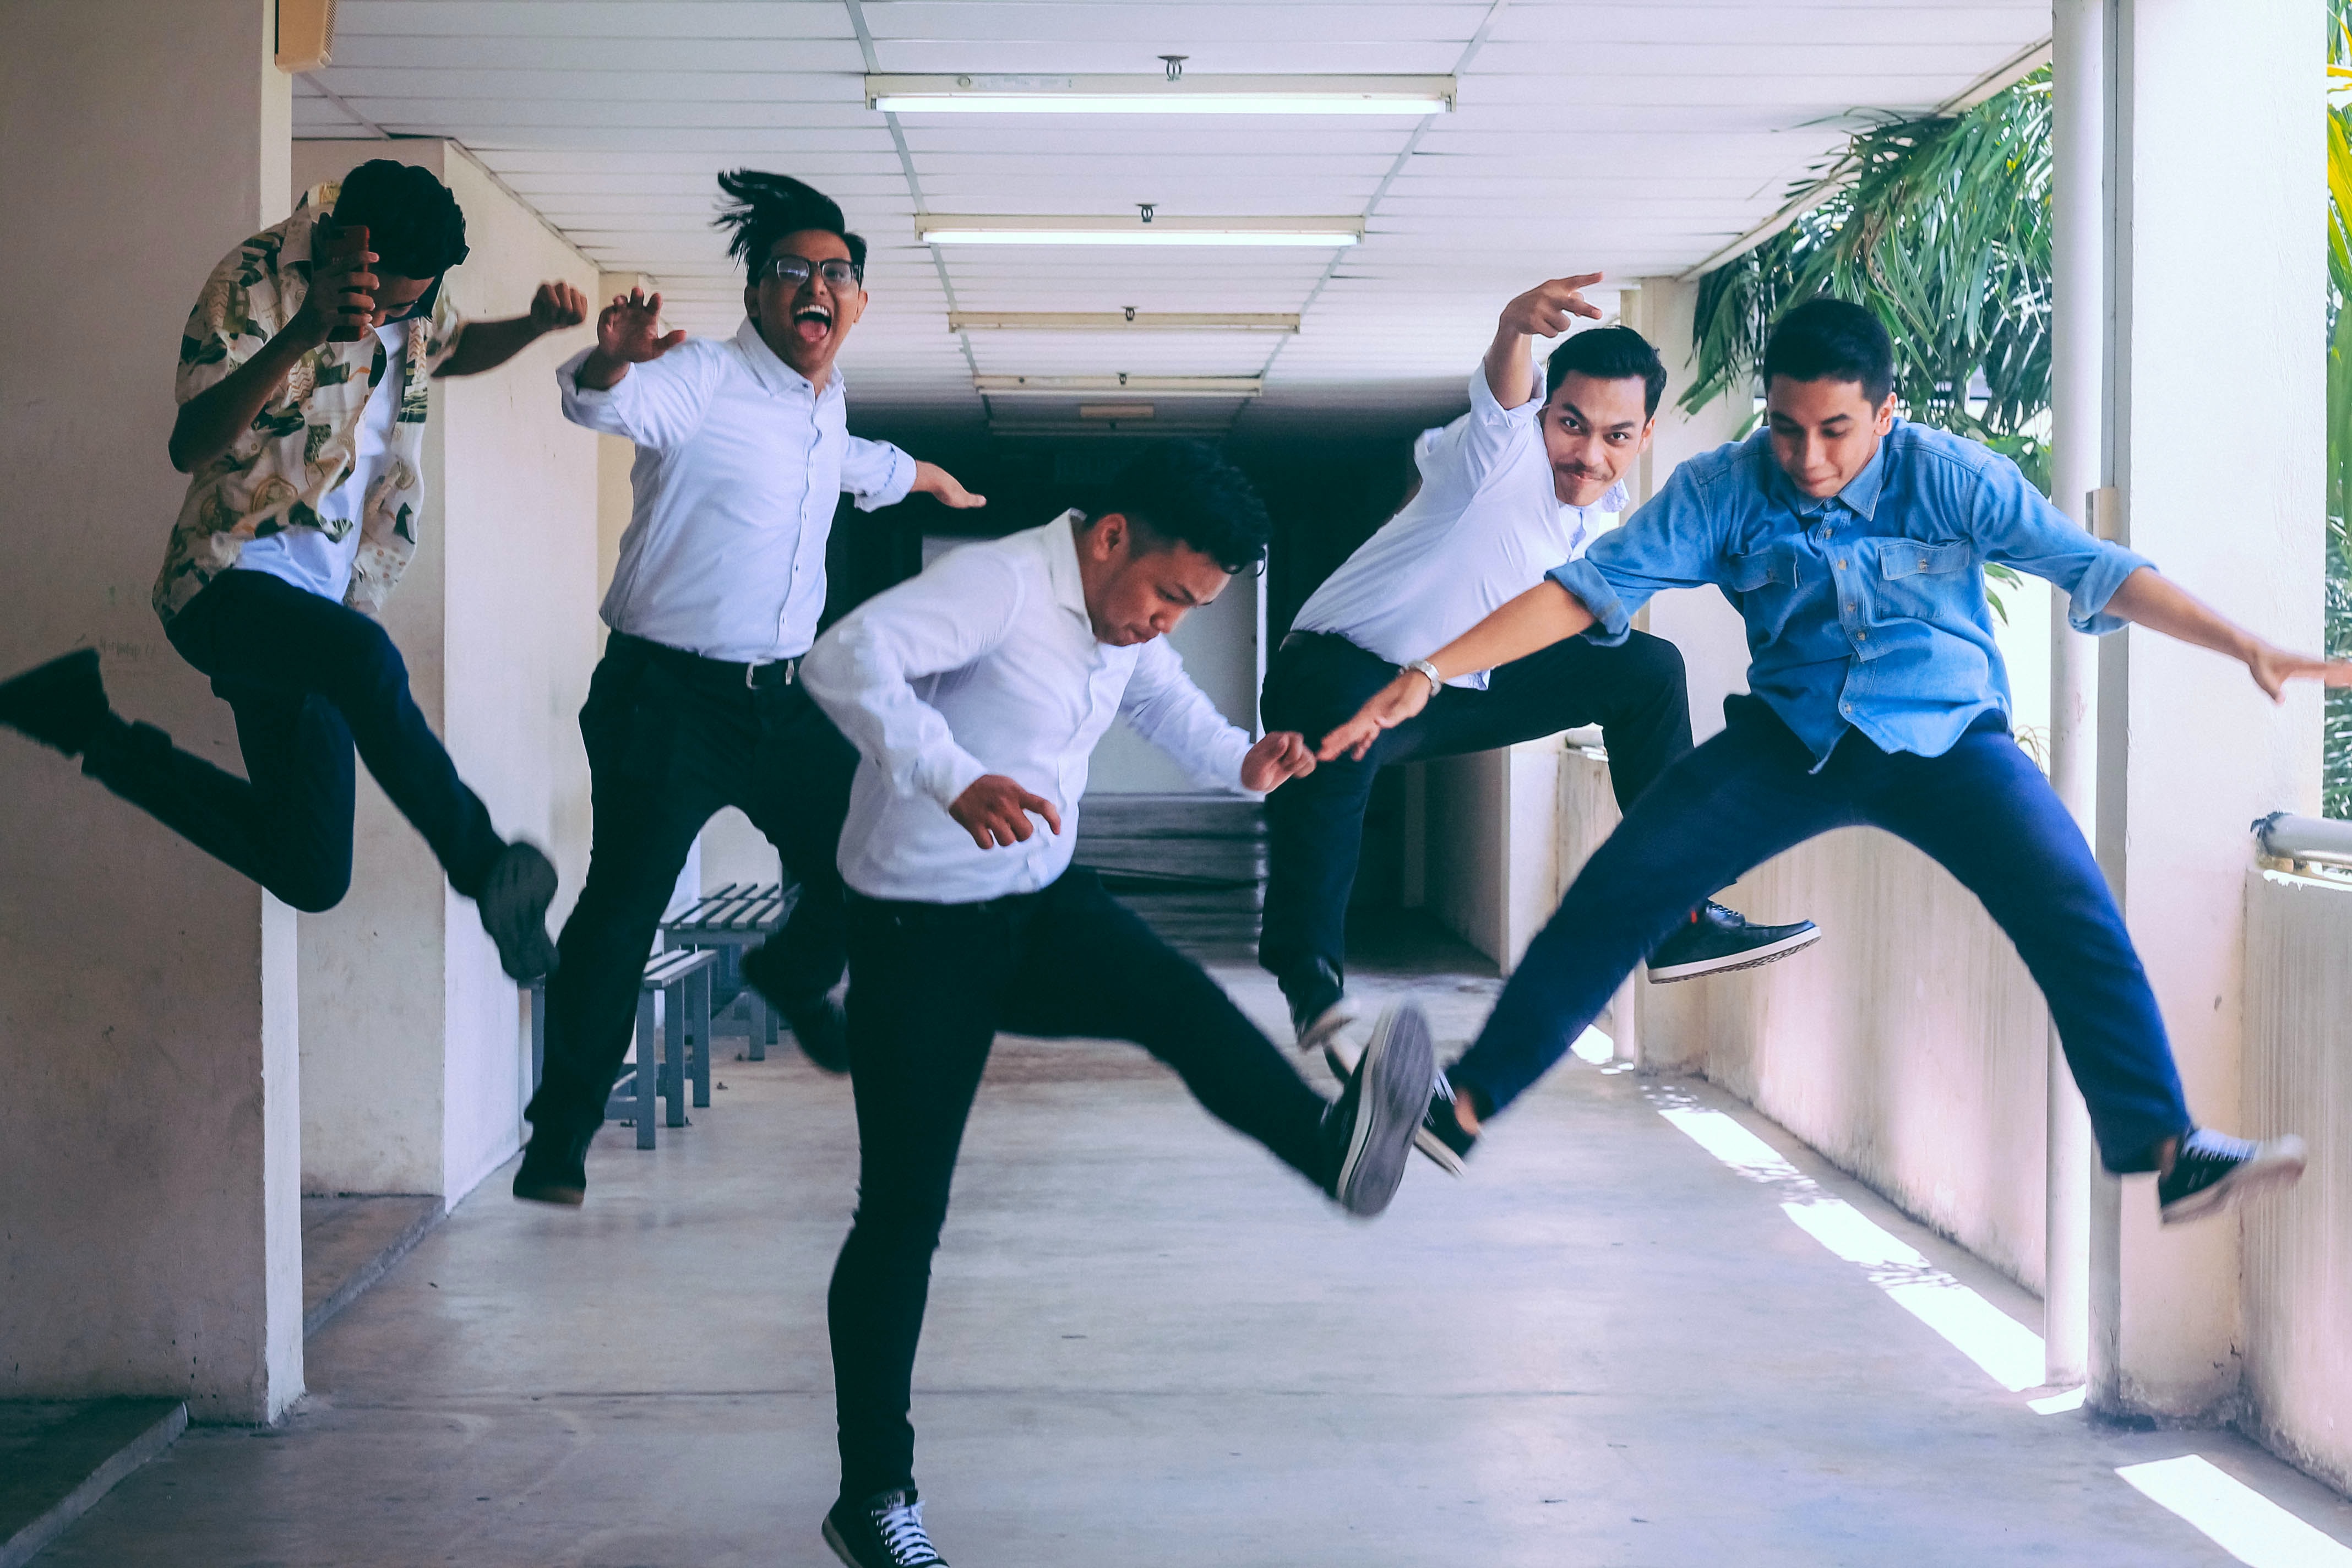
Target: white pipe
2077, 410
2318, 840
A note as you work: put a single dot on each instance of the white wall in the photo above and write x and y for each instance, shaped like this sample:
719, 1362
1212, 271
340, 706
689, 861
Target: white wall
416, 1067
1222, 649
147, 1017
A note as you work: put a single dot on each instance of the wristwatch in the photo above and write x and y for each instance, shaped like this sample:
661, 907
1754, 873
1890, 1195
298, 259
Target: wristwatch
1424, 668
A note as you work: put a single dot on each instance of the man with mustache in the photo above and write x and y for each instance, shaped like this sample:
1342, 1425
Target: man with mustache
742, 450
1514, 489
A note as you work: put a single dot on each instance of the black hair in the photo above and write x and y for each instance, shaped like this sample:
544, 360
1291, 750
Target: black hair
415, 226
1832, 340
1182, 492
763, 208
1610, 354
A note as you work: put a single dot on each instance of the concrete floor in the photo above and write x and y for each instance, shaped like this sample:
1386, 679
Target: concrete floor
1150, 1345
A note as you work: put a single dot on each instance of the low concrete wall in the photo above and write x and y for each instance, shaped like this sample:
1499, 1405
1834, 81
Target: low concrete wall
2298, 1354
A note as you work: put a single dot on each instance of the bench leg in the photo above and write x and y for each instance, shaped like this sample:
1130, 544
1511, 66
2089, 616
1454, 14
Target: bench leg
649, 1067
697, 1025
673, 1081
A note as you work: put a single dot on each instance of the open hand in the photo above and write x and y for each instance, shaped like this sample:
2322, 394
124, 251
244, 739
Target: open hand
1546, 310
936, 481
995, 811
1389, 706
628, 330
557, 305
2272, 667
1281, 756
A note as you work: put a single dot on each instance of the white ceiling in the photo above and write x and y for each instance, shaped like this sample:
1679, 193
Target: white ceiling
1629, 137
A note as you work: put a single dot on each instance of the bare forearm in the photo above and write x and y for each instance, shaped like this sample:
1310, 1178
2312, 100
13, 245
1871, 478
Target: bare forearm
600, 371
486, 346
2150, 599
211, 421
1511, 366
1544, 614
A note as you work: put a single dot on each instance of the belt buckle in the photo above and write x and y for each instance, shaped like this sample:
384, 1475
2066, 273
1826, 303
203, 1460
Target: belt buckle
752, 671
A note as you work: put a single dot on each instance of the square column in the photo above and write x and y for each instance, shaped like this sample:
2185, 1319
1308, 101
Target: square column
149, 1140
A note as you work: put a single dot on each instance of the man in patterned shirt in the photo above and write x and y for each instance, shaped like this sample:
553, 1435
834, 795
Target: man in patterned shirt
300, 518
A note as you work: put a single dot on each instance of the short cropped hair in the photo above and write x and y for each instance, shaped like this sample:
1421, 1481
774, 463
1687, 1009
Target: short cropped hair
1610, 354
1832, 340
763, 208
415, 226
1182, 492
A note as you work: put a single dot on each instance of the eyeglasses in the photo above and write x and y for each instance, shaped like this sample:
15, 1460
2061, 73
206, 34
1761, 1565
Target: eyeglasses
794, 270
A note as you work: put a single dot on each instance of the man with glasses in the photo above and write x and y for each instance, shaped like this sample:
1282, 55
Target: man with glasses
302, 410
742, 451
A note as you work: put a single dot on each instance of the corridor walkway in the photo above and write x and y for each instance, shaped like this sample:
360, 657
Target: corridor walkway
1148, 1345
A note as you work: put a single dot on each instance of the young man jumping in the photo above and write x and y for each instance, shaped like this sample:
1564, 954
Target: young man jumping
743, 450
302, 411
1853, 544
1515, 488
976, 693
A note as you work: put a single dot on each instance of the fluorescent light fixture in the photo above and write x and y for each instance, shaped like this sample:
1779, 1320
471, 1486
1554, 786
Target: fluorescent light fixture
2238, 1518
1393, 95
1152, 386
1120, 322
1326, 233
1115, 411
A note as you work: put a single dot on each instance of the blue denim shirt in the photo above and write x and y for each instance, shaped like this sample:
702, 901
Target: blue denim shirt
1866, 610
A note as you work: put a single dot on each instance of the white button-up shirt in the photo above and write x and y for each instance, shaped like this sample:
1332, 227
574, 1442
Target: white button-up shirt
740, 462
988, 664
1485, 528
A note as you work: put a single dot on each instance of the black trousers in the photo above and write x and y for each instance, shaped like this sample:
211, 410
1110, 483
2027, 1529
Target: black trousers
672, 739
929, 986
1315, 824
309, 679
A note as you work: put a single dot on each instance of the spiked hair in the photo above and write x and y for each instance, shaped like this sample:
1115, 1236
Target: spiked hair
763, 208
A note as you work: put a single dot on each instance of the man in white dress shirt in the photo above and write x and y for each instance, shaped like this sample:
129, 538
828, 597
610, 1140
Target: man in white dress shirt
1516, 487
975, 694
743, 450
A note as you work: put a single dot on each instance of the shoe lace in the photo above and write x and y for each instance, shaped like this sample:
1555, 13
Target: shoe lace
899, 1522
2206, 1143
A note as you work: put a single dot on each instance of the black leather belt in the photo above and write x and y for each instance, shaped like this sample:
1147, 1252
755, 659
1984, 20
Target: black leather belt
757, 676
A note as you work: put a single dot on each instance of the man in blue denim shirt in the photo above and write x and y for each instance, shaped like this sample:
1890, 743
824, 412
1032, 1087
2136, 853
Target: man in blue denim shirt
1853, 544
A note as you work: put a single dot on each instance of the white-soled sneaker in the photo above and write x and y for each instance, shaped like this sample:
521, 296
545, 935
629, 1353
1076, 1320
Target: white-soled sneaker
2214, 1171
886, 1530
1440, 1134
1369, 1127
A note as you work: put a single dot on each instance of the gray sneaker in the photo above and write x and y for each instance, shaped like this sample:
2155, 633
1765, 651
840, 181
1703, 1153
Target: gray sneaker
1370, 1127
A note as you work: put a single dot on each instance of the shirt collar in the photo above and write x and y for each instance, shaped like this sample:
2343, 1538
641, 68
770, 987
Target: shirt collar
1062, 564
1861, 492
772, 373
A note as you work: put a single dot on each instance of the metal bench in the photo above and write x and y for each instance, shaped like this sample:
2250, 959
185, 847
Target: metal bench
674, 1055
736, 918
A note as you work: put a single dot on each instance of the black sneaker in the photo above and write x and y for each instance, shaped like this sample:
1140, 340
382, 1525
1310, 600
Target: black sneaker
1369, 1127
2212, 1171
554, 1167
61, 703
1717, 941
512, 902
1440, 1135
1319, 1007
819, 1026
886, 1530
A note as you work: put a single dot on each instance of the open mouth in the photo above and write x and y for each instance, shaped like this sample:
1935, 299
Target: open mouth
813, 322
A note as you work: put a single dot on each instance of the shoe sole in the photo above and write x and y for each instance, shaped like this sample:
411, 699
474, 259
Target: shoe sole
2283, 1167
514, 912
1731, 963
1326, 1024
1337, 1057
551, 1193
1393, 1088
840, 1547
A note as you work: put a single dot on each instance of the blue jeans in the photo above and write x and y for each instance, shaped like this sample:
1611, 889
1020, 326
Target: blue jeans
1982, 811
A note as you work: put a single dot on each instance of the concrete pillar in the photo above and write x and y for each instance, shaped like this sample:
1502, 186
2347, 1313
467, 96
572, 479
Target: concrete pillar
2216, 402
415, 1065
149, 1134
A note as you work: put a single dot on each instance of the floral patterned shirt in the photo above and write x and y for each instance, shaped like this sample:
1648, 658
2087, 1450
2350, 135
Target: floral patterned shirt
305, 440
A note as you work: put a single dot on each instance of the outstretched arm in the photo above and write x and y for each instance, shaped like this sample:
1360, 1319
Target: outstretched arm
1543, 312
1544, 614
2150, 599
486, 346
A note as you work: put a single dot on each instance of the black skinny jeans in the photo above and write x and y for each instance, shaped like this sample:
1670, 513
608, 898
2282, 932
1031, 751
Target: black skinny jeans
308, 679
1315, 824
672, 739
929, 986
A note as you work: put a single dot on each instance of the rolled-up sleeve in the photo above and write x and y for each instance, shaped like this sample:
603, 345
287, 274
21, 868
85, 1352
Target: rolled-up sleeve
658, 404
2015, 525
1175, 715
875, 474
1673, 542
862, 672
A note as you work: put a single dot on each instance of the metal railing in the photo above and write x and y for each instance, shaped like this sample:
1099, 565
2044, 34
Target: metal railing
2304, 841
